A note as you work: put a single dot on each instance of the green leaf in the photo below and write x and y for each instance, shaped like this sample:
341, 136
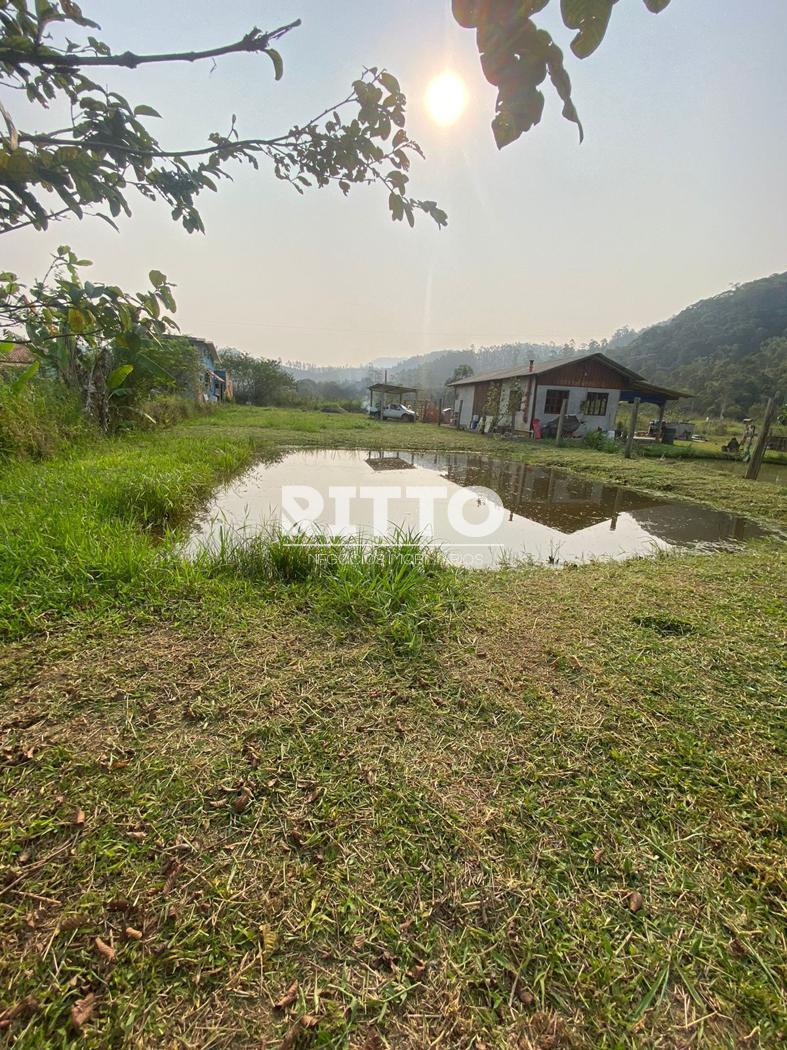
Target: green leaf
655, 6
467, 12
76, 319
118, 376
390, 83
24, 377
396, 204
167, 299
6, 348
562, 84
145, 111
591, 18
278, 62
157, 278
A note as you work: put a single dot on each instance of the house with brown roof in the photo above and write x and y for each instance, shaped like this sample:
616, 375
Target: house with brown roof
591, 386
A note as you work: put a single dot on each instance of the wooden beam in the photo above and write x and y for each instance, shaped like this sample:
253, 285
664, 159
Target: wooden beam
560, 421
759, 452
632, 428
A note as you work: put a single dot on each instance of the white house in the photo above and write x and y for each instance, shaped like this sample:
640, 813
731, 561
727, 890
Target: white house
592, 385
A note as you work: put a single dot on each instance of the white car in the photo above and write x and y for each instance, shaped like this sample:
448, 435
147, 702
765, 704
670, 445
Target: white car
394, 411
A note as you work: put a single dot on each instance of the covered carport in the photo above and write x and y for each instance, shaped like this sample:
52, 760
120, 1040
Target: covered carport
641, 392
385, 393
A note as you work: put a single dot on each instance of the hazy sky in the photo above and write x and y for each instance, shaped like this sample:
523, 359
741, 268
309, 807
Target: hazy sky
677, 192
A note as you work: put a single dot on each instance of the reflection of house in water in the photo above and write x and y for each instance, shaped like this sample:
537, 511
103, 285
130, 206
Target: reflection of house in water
569, 504
559, 501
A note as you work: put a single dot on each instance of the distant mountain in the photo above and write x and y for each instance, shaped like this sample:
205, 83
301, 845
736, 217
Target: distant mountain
428, 373
730, 351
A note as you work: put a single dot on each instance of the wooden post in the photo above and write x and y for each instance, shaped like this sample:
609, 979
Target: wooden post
759, 452
560, 421
660, 437
632, 428
440, 412
458, 413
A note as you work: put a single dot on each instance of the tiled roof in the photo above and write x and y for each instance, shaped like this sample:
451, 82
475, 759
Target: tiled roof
545, 366
19, 356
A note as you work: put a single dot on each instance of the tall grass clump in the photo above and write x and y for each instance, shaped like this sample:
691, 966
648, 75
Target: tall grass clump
165, 410
401, 588
39, 419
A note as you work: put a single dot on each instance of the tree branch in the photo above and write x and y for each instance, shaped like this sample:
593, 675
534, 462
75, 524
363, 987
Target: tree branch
253, 41
115, 147
228, 146
52, 215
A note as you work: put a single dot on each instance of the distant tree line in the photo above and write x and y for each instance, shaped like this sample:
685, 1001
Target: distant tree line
258, 380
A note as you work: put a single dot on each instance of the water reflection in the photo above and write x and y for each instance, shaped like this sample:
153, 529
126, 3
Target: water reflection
539, 514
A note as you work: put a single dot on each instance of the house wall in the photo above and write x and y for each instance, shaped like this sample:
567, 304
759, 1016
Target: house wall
522, 417
576, 396
465, 394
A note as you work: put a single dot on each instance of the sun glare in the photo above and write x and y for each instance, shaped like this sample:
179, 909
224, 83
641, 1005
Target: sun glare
446, 98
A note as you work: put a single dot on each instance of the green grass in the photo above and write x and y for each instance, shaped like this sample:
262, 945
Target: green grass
527, 808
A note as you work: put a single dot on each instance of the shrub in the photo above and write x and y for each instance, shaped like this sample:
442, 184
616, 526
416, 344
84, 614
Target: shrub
598, 440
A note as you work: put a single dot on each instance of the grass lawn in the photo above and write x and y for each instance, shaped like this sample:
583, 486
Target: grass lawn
242, 806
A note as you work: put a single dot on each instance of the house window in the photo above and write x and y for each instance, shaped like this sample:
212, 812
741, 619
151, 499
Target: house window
554, 400
596, 404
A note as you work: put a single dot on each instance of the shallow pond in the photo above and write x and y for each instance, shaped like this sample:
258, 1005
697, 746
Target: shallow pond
482, 511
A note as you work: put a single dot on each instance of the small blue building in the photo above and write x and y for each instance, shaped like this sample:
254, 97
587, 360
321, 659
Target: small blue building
217, 385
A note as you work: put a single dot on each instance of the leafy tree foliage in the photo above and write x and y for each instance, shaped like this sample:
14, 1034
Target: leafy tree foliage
107, 151
460, 372
88, 335
517, 56
170, 365
258, 380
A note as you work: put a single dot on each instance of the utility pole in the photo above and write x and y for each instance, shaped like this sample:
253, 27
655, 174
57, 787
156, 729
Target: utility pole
759, 451
632, 428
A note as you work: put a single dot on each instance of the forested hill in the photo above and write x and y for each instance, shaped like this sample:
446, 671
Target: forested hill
730, 350
428, 373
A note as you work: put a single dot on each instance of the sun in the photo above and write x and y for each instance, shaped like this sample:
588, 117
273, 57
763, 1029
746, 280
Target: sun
446, 98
